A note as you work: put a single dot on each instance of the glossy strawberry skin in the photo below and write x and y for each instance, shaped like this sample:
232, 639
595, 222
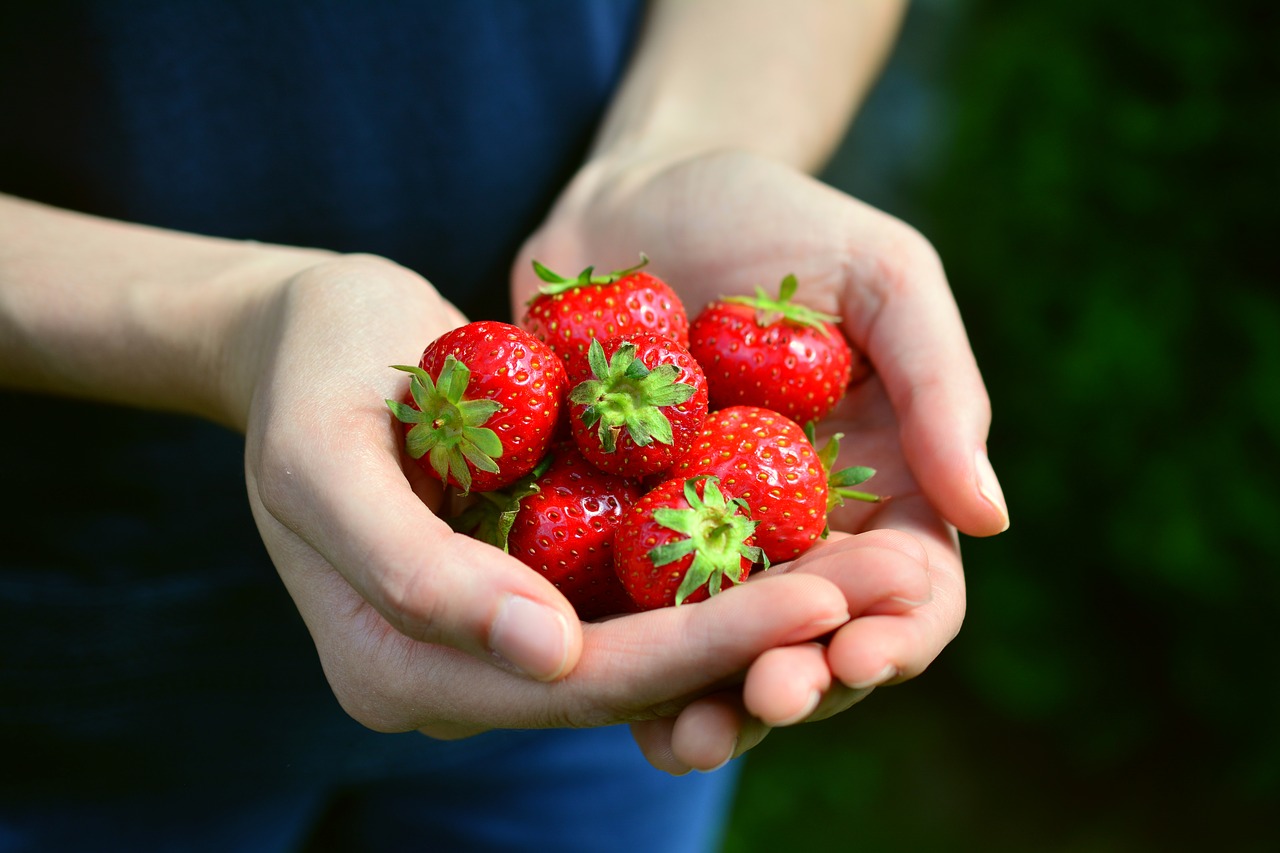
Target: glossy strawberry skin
765, 459
565, 531
628, 459
636, 303
520, 373
650, 586
795, 370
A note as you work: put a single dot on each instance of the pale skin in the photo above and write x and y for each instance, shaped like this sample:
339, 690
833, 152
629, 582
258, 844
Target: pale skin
420, 628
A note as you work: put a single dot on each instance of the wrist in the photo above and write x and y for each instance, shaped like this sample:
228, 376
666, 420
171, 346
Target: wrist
117, 312
245, 302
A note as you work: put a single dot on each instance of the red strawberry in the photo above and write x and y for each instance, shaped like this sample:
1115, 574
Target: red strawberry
560, 520
639, 405
482, 406
769, 462
773, 353
684, 541
568, 313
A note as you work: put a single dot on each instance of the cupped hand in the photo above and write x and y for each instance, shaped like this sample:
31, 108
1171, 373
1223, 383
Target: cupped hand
898, 567
722, 223
418, 627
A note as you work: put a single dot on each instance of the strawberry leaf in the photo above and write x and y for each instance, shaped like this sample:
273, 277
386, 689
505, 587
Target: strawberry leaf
715, 532
445, 426
853, 476
555, 283
838, 482
770, 310
624, 394
491, 518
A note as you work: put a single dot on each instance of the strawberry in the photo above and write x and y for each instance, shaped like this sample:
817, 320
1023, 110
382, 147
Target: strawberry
769, 462
683, 541
559, 520
483, 405
641, 402
774, 354
568, 313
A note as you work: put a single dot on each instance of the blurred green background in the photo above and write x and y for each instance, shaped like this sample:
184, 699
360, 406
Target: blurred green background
1100, 181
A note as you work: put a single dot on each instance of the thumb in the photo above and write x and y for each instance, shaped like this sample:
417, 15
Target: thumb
430, 583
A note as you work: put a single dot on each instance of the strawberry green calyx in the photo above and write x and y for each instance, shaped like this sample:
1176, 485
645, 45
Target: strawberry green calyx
716, 531
556, 283
839, 483
446, 427
491, 517
770, 310
624, 394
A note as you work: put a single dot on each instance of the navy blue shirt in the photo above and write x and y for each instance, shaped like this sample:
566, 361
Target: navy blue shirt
144, 635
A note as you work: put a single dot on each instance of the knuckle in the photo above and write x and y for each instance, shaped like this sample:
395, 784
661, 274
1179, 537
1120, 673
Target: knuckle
411, 600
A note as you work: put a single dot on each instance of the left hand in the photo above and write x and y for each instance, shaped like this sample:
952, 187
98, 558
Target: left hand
720, 223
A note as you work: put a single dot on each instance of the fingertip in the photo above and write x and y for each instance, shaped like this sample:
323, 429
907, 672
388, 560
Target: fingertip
876, 650
884, 675
654, 738
878, 571
785, 685
706, 735
473, 597
988, 486
957, 477
533, 638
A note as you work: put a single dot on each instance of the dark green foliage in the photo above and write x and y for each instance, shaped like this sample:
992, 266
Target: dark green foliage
1103, 192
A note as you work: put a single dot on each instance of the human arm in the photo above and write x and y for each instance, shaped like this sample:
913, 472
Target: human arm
703, 164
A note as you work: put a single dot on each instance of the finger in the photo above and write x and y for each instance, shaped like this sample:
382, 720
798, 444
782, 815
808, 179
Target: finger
714, 730
654, 663
886, 648
881, 571
914, 335
837, 700
635, 667
654, 739
786, 685
716, 638
791, 685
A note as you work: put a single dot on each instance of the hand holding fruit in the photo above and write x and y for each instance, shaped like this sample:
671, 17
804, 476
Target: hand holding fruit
722, 223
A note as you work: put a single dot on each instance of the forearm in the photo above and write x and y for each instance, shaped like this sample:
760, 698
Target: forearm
777, 79
114, 311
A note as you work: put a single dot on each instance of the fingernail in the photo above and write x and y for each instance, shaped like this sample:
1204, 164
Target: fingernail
531, 637
989, 486
733, 748
889, 671
809, 707
911, 602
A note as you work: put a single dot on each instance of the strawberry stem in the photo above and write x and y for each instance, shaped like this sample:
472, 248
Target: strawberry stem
838, 482
770, 310
446, 427
556, 283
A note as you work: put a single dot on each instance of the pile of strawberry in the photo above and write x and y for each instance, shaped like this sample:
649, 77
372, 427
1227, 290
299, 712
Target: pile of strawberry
635, 459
